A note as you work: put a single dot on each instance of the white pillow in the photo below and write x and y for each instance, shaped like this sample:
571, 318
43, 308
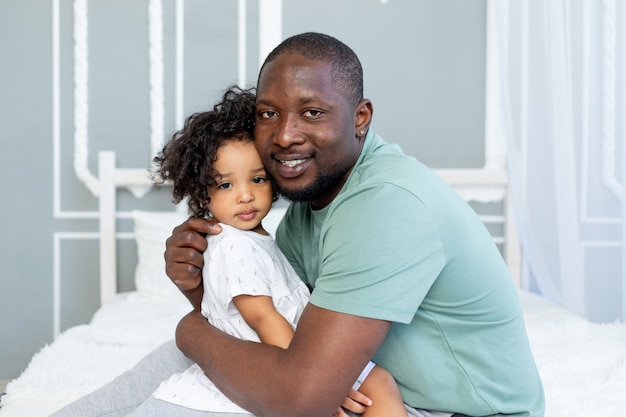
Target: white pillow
152, 228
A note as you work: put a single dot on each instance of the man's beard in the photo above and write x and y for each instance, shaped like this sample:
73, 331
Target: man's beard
321, 185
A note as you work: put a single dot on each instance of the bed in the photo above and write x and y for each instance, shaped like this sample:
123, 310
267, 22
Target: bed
583, 365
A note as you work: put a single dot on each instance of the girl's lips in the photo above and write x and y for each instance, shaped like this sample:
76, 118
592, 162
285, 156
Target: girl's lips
291, 168
247, 215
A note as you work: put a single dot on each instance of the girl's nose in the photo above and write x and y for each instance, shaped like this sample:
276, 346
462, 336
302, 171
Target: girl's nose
246, 195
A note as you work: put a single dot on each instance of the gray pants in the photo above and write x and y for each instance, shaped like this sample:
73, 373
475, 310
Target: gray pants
130, 394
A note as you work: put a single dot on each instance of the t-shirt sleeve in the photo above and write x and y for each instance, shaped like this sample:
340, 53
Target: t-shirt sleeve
380, 255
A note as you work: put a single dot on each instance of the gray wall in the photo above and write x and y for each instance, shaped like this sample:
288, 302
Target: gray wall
424, 72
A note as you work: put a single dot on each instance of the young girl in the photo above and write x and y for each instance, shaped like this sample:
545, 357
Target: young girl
250, 289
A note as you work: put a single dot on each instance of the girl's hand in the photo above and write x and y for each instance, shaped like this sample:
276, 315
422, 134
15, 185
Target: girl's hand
355, 402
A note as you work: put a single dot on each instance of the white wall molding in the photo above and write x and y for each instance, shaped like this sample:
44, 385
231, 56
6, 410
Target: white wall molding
494, 142
179, 66
270, 27
57, 238
81, 91
605, 71
495, 152
241, 43
609, 102
81, 98
155, 43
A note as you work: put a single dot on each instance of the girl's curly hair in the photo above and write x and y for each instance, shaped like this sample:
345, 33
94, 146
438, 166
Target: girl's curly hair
187, 159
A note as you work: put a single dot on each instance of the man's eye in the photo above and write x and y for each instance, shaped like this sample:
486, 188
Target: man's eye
268, 114
312, 113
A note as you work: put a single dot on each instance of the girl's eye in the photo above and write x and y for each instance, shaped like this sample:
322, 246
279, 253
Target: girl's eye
258, 180
224, 186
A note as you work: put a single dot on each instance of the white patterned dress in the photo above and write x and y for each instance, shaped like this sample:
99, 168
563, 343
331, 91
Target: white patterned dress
237, 262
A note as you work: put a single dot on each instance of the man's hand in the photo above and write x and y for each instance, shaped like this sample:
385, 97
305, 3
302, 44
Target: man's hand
184, 256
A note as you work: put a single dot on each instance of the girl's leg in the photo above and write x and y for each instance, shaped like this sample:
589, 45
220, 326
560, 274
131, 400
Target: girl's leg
381, 388
125, 393
157, 408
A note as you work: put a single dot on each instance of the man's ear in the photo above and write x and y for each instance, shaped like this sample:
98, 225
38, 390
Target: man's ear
363, 117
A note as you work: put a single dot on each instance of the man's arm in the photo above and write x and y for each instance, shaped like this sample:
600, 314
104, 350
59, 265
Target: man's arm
309, 378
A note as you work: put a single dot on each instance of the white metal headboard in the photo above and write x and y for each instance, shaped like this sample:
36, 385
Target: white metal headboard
112, 178
482, 185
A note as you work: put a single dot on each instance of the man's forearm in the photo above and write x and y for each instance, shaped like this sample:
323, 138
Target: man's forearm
238, 367
310, 378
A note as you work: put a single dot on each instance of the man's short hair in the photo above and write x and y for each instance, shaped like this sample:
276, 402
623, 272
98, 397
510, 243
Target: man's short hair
346, 70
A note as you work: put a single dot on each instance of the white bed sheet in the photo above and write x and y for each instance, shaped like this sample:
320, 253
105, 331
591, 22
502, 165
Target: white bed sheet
583, 365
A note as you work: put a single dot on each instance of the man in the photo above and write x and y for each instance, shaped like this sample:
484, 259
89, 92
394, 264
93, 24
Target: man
403, 272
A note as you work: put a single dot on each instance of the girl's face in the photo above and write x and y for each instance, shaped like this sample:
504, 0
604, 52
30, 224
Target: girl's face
242, 196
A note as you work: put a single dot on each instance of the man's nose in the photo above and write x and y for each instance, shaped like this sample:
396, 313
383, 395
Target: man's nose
289, 132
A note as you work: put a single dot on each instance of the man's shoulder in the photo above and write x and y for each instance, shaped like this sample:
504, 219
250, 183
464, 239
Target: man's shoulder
386, 162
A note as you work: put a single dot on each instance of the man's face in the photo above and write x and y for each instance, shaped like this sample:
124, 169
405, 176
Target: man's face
305, 129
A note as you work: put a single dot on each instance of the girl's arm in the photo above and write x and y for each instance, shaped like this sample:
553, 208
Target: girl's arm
260, 314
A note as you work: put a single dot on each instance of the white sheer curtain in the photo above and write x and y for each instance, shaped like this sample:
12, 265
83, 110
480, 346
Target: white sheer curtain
560, 72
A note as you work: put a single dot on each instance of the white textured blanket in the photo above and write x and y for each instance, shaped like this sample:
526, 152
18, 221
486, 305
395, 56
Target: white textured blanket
86, 357
583, 365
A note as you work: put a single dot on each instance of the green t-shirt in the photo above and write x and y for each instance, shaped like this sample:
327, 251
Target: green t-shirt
399, 244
